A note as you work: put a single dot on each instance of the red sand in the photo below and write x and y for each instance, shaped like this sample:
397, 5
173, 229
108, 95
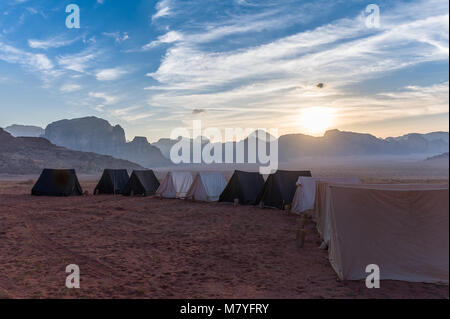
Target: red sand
150, 248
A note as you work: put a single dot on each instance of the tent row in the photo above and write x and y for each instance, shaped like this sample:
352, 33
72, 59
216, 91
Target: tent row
402, 228
64, 182
248, 188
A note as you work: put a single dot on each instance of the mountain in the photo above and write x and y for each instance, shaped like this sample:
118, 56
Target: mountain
433, 136
92, 134
340, 143
444, 158
29, 155
25, 130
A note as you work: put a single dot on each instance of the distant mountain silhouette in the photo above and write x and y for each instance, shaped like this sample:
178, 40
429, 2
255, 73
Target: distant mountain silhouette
339, 143
444, 158
24, 130
29, 155
92, 134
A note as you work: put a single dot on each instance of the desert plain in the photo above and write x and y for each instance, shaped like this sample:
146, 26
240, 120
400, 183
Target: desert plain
146, 247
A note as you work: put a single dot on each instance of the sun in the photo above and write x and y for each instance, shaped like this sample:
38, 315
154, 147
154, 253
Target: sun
316, 120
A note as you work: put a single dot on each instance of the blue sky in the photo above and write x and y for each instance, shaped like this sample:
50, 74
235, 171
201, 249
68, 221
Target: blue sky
152, 66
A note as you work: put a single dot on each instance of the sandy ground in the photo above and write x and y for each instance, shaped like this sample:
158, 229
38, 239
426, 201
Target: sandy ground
150, 248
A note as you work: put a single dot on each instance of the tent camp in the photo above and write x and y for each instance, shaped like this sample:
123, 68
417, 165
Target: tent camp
141, 183
207, 187
112, 181
279, 188
57, 182
244, 186
305, 193
403, 230
175, 185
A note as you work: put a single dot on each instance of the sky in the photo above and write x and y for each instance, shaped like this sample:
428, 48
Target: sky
296, 66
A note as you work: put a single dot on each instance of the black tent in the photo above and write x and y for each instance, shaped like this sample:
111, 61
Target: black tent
112, 182
141, 183
279, 189
57, 182
244, 186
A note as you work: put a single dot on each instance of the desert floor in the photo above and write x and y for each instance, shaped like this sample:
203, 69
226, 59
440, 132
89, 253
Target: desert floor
151, 248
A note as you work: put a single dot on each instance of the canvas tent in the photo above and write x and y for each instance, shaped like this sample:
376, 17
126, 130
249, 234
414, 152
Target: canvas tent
141, 183
321, 214
175, 185
112, 181
244, 186
305, 193
57, 182
403, 230
207, 187
279, 188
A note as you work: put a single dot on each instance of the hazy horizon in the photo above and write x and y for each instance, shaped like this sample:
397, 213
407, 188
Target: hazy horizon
314, 135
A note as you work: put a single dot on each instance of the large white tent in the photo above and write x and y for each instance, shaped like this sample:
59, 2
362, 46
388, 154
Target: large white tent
207, 187
305, 193
175, 185
403, 229
321, 214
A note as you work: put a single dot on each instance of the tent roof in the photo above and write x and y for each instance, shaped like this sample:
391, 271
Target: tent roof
57, 182
175, 185
213, 182
280, 187
207, 186
141, 182
244, 186
112, 181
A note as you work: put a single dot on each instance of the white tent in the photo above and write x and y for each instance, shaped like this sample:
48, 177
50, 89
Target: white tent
175, 185
305, 193
403, 229
207, 187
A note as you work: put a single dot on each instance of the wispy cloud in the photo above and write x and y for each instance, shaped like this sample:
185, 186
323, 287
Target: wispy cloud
110, 74
56, 42
117, 36
78, 62
70, 87
163, 9
169, 37
107, 99
34, 61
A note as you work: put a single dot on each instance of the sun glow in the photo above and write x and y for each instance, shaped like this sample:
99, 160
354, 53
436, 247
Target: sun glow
316, 120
